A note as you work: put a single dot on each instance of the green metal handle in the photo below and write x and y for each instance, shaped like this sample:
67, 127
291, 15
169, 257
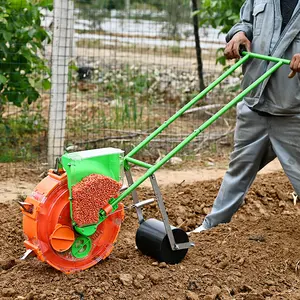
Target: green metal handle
152, 168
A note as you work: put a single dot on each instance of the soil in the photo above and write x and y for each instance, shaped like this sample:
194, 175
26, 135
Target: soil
255, 256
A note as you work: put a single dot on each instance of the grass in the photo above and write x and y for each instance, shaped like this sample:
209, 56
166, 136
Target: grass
126, 96
20, 136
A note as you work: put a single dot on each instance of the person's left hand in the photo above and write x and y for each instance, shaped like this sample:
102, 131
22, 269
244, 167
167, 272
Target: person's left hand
295, 65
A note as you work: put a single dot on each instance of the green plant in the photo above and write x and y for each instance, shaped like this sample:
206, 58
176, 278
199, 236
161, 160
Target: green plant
222, 14
22, 69
175, 50
20, 137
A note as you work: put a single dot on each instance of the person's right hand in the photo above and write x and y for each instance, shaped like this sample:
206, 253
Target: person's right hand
232, 49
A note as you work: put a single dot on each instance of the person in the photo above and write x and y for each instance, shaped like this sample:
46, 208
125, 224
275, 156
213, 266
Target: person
268, 118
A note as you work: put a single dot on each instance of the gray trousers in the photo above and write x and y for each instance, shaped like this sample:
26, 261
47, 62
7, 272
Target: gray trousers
257, 141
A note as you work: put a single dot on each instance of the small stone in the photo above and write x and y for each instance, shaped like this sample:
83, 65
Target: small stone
126, 279
98, 291
155, 263
191, 295
179, 221
175, 160
162, 265
205, 210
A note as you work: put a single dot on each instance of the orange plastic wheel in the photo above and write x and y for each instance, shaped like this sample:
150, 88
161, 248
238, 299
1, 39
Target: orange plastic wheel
49, 232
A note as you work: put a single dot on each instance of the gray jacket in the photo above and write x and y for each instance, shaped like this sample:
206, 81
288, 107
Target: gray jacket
261, 21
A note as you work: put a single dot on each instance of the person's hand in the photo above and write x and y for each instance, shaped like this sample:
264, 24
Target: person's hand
295, 65
232, 49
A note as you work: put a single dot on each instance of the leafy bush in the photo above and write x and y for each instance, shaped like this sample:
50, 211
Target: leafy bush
221, 14
22, 68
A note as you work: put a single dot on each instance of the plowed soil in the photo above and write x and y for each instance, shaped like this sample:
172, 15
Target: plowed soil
255, 256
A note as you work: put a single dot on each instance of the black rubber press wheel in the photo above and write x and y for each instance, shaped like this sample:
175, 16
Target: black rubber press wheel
152, 240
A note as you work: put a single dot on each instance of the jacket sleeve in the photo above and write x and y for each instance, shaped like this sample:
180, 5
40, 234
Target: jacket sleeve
246, 22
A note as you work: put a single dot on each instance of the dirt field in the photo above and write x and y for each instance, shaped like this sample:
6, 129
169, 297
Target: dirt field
254, 257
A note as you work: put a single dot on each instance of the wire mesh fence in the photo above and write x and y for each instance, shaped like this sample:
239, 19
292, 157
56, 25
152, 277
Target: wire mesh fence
118, 71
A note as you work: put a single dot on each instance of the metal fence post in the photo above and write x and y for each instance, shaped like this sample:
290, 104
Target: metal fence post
61, 50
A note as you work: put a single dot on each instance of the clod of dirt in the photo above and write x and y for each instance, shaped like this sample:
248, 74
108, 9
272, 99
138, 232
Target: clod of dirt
241, 261
8, 292
245, 288
281, 195
213, 292
191, 295
267, 293
155, 278
126, 279
139, 277
270, 282
223, 264
7, 264
30, 296
137, 284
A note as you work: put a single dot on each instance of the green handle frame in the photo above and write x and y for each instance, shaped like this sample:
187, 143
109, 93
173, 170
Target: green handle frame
153, 168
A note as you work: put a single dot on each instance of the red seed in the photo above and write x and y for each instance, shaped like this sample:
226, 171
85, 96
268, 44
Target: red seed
90, 195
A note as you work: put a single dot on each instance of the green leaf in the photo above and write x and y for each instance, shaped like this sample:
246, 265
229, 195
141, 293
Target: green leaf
21, 37
7, 36
46, 84
2, 79
33, 95
46, 3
